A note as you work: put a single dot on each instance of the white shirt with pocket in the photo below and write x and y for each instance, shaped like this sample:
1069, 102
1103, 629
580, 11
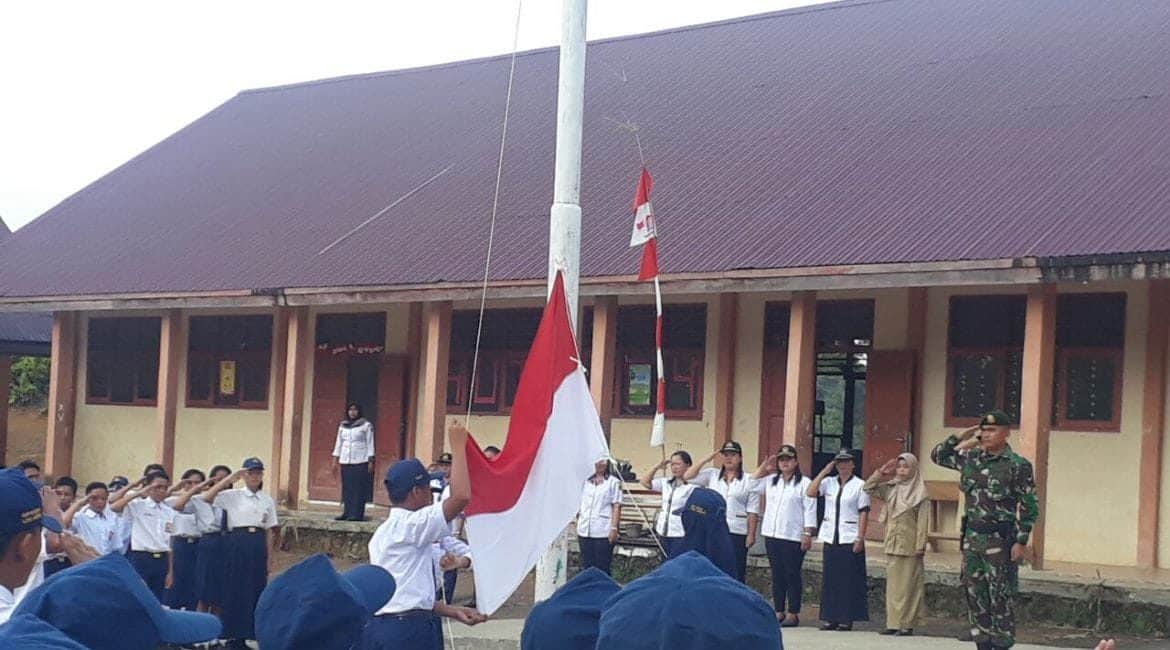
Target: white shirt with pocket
247, 509
151, 525
186, 523
102, 532
674, 497
208, 517
788, 510
595, 515
355, 445
844, 508
739, 494
404, 545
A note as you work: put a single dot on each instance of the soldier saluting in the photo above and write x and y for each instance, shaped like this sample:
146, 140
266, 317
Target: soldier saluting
1001, 510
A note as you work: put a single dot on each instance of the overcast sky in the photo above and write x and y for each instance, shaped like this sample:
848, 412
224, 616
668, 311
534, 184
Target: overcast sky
84, 86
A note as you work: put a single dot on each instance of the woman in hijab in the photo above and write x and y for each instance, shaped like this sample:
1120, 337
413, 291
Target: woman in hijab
906, 516
704, 520
354, 452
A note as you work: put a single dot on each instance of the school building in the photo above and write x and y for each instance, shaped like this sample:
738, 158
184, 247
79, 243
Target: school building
877, 221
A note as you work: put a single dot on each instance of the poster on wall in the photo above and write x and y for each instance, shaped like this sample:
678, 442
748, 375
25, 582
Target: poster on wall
227, 377
640, 382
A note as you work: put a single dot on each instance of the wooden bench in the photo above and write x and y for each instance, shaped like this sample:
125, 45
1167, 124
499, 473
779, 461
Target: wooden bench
941, 492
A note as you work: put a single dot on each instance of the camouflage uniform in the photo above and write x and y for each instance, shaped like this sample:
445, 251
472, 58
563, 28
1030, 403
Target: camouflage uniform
1001, 510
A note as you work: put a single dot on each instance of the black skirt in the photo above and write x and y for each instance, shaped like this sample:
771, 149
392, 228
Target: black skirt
844, 596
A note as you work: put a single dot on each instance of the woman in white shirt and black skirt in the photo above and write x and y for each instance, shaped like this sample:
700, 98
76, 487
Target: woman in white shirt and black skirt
843, 593
354, 452
674, 490
737, 489
790, 519
598, 517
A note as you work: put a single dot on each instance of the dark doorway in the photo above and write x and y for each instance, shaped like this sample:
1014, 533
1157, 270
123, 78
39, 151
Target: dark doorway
844, 339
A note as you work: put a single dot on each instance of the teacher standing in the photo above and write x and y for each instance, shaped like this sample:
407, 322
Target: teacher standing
354, 451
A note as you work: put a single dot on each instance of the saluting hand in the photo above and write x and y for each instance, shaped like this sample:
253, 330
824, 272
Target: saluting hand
888, 468
828, 468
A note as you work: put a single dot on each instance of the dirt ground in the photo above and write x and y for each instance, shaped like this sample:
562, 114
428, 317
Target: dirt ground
26, 435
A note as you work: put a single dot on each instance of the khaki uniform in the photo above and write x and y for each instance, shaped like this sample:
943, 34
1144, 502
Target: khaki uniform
904, 545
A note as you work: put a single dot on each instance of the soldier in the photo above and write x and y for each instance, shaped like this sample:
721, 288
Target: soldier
1000, 512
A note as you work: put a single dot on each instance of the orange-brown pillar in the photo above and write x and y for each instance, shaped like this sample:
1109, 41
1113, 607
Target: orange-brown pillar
604, 353
62, 394
436, 349
415, 352
801, 383
5, 381
916, 342
298, 361
1153, 424
1036, 398
170, 351
278, 374
725, 368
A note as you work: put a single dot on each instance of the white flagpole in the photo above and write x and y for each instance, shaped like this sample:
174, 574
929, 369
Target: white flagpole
564, 238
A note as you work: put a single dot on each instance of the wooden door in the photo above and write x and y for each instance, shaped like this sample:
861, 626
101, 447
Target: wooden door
889, 402
390, 426
775, 373
329, 384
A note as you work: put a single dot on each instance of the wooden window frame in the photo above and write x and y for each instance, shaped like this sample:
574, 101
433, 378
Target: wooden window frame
262, 357
1060, 390
491, 362
116, 362
1000, 353
670, 358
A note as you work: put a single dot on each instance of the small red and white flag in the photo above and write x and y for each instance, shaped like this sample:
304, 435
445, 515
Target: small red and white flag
645, 231
522, 500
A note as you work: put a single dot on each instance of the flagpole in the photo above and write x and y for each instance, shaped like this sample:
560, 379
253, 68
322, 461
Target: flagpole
564, 240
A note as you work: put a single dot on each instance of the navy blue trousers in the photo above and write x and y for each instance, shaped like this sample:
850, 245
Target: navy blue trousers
417, 631
786, 560
355, 483
449, 580
674, 546
56, 565
209, 569
152, 568
182, 593
596, 552
739, 545
245, 576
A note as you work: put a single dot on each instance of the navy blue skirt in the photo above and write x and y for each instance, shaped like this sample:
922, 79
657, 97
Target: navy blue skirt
209, 563
185, 553
245, 576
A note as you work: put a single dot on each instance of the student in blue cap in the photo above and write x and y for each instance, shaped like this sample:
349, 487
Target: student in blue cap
250, 547
688, 604
704, 518
21, 521
403, 546
570, 619
26, 632
313, 607
104, 605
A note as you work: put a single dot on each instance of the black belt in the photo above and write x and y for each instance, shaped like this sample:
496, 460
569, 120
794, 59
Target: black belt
410, 613
248, 530
187, 540
158, 555
59, 560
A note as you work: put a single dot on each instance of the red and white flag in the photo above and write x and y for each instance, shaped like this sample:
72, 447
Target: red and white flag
646, 235
522, 500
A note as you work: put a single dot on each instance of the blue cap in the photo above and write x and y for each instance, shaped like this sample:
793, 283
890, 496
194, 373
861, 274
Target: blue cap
26, 632
404, 476
704, 520
570, 619
118, 482
104, 604
312, 606
20, 504
253, 463
686, 604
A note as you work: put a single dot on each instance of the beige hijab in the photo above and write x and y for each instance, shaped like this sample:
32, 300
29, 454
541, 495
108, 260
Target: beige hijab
905, 494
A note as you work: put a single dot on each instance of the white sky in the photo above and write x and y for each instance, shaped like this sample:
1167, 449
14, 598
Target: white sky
85, 86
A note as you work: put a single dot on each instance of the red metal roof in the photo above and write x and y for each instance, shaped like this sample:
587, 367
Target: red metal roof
848, 133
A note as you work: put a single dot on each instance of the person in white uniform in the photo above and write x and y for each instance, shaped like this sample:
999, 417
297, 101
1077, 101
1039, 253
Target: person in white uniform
843, 594
403, 546
151, 524
354, 454
790, 520
21, 523
185, 539
598, 517
674, 491
738, 490
93, 520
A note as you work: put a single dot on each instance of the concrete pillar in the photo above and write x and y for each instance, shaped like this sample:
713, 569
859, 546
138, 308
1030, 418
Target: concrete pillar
436, 349
170, 354
604, 353
800, 389
1036, 398
62, 394
1153, 424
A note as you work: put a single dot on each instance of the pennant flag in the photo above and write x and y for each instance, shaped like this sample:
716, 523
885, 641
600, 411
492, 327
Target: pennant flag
645, 231
524, 499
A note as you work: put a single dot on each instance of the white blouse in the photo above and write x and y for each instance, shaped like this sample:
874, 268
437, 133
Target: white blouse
674, 497
844, 509
595, 515
788, 510
740, 495
355, 445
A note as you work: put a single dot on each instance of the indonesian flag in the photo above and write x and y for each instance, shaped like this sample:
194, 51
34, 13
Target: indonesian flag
645, 232
522, 500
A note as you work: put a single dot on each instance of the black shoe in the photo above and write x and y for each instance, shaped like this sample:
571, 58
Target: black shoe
828, 627
845, 627
888, 632
791, 622
341, 518
906, 632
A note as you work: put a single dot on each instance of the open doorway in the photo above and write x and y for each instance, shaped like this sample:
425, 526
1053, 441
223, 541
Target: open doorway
844, 339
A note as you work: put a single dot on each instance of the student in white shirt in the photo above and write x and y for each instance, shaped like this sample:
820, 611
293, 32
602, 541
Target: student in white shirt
674, 490
598, 517
738, 491
843, 594
249, 550
185, 539
118, 486
790, 519
93, 520
151, 523
354, 453
209, 561
66, 489
21, 523
403, 546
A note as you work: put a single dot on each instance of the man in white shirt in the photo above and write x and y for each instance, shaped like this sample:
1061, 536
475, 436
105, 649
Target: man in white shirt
151, 524
403, 546
21, 522
94, 522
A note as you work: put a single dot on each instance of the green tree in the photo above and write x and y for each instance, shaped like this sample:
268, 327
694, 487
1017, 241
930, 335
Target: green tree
30, 381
